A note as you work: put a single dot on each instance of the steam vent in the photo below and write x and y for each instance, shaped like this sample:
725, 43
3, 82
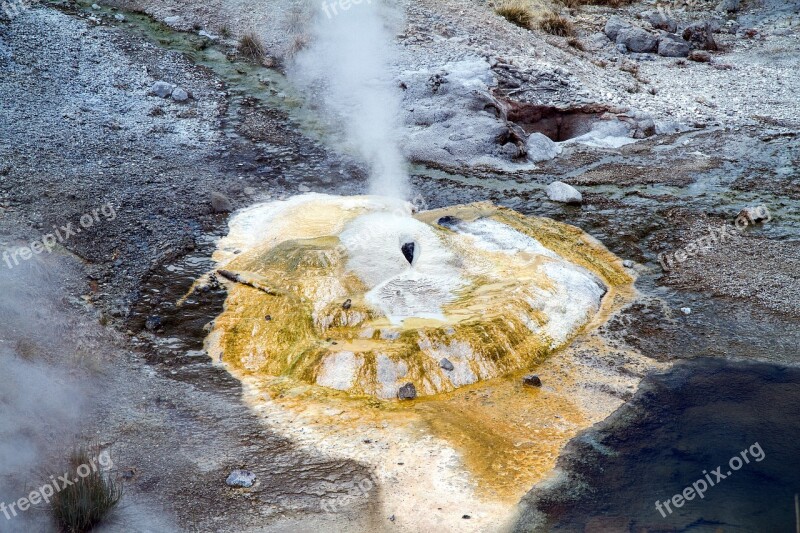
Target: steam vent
361, 295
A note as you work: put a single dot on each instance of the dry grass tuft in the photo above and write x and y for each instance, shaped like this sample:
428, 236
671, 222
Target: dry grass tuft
251, 47
517, 12
576, 43
82, 506
555, 24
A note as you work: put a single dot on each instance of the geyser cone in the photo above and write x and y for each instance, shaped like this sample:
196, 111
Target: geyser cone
491, 294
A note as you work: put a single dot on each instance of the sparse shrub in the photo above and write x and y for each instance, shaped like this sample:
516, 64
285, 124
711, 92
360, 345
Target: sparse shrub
224, 31
298, 43
576, 43
251, 47
555, 24
517, 12
630, 66
80, 507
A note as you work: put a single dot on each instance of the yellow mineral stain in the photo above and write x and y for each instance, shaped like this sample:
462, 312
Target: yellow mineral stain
274, 335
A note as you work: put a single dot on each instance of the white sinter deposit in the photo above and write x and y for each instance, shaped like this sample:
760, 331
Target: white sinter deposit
348, 310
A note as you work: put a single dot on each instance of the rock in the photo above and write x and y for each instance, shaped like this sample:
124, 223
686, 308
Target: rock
120, 17
728, 6
628, 263
304, 188
700, 36
451, 126
449, 222
241, 478
220, 203
561, 192
636, 39
95, 6
510, 150
180, 95
162, 89
541, 148
532, 380
661, 21
753, 215
596, 41
613, 27
347, 304
446, 364
701, 56
686, 310
407, 392
732, 27
715, 24
152, 323
669, 47
174, 22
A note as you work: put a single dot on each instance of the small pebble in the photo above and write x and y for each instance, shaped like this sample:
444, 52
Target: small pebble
686, 310
241, 478
532, 380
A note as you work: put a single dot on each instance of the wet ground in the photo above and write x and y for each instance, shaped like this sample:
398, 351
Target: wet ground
75, 137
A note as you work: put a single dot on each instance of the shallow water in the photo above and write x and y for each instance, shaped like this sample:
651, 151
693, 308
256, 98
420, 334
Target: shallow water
683, 423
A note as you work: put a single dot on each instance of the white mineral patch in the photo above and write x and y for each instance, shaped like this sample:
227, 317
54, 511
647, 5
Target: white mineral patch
494, 236
390, 375
606, 134
575, 298
575, 294
339, 370
304, 216
373, 243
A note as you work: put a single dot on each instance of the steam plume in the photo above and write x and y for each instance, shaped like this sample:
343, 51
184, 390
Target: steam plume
347, 66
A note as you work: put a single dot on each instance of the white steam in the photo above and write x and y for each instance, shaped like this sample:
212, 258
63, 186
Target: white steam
347, 67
